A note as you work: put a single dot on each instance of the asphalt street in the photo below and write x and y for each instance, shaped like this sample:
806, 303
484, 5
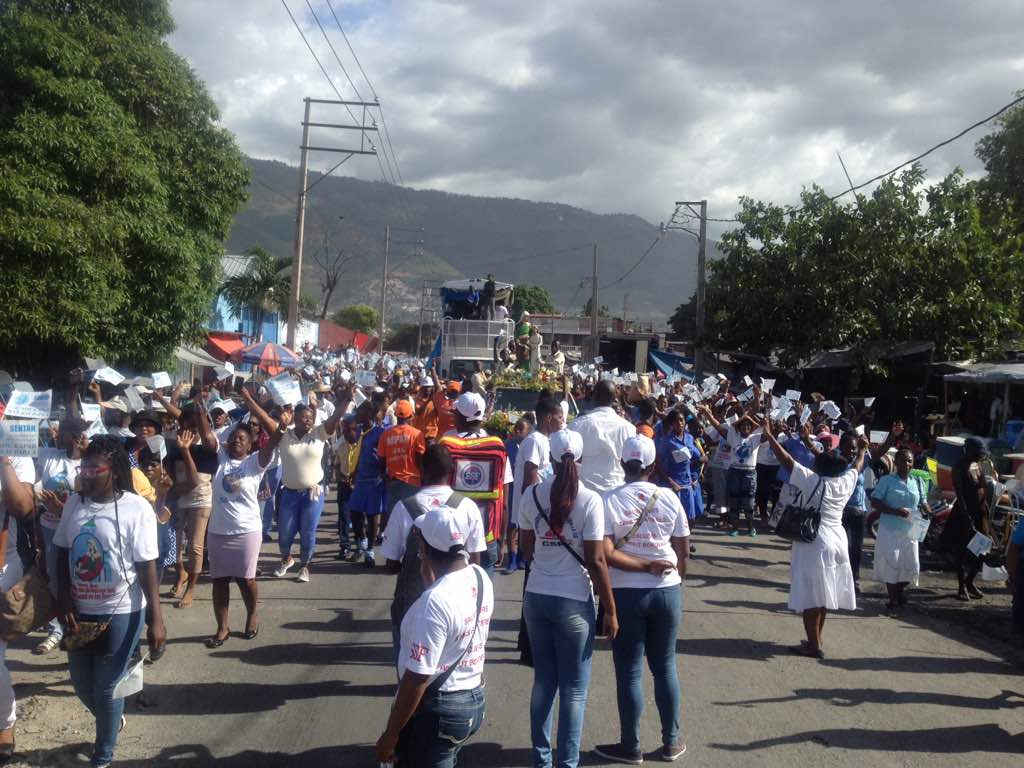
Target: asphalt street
315, 687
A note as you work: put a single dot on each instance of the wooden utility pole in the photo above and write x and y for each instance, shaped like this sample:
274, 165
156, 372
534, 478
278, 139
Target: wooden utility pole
365, 148
384, 287
594, 308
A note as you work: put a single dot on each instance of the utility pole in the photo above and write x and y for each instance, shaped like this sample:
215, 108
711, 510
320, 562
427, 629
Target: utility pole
384, 286
365, 148
593, 307
690, 210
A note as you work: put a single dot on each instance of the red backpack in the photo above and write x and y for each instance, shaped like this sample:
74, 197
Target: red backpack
478, 473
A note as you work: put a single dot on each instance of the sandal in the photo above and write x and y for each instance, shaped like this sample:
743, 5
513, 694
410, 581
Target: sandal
804, 649
216, 642
250, 634
48, 645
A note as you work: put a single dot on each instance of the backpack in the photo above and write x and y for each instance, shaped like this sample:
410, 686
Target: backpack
478, 473
409, 584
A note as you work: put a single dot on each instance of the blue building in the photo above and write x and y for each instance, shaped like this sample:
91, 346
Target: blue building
223, 319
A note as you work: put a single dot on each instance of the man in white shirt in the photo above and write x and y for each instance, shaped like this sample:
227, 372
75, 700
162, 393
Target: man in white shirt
403, 557
604, 433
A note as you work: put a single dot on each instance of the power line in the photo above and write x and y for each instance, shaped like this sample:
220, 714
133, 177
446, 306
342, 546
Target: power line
911, 161
640, 261
331, 46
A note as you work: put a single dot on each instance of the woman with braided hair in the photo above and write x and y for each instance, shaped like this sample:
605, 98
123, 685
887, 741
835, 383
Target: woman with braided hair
107, 584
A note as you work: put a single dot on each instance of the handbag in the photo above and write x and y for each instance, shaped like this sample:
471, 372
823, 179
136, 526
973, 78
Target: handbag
798, 522
29, 603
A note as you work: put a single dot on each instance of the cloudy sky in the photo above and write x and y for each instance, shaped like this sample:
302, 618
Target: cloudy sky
620, 106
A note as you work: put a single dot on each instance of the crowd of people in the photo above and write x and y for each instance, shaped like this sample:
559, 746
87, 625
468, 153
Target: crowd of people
593, 493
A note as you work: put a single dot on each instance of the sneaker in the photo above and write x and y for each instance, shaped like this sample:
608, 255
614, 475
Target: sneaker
368, 559
619, 754
513, 564
672, 752
304, 575
283, 568
734, 533
753, 533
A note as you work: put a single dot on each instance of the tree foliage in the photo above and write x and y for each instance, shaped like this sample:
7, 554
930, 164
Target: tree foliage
403, 337
117, 187
907, 262
358, 317
532, 298
264, 287
684, 320
1002, 151
602, 309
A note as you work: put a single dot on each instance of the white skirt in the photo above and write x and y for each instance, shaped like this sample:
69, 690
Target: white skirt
819, 573
896, 558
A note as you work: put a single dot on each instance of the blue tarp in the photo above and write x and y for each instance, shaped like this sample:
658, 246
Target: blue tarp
669, 362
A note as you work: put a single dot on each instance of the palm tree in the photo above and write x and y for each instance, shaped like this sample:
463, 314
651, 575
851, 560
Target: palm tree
264, 287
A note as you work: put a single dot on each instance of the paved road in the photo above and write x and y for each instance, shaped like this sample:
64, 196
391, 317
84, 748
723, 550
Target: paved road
314, 688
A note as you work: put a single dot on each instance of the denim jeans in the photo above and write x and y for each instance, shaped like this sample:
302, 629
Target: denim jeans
562, 635
853, 522
344, 517
488, 558
97, 668
441, 725
648, 626
54, 627
272, 479
297, 513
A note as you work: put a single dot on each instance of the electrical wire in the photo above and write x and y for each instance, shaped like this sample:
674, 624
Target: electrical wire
640, 261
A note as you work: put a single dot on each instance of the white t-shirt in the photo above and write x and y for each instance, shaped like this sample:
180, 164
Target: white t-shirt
536, 449
467, 516
744, 449
223, 433
722, 457
766, 456
25, 471
236, 487
57, 473
439, 626
652, 540
604, 433
554, 571
101, 569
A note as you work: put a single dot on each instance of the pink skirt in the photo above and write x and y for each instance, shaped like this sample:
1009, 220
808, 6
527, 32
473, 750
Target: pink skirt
234, 556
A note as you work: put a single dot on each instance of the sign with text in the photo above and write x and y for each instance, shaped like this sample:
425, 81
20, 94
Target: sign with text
29, 405
19, 438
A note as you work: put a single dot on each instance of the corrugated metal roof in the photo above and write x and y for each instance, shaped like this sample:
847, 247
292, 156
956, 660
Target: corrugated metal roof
234, 264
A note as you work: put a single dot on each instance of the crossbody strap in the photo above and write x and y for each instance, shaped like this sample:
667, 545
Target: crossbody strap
639, 521
441, 679
563, 542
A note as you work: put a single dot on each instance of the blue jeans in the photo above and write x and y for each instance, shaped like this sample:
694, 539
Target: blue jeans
97, 668
648, 626
488, 558
272, 479
441, 725
297, 513
562, 635
54, 627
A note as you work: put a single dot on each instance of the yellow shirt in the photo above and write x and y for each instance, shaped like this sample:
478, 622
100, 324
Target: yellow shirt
142, 486
301, 466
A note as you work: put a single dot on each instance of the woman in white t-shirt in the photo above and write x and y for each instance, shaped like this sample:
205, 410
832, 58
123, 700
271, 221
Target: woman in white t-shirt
561, 534
440, 699
646, 543
743, 438
235, 532
107, 543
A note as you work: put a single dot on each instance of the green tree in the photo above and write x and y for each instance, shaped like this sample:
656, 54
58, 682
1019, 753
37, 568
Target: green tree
532, 298
684, 320
358, 317
117, 187
264, 287
403, 337
905, 263
602, 310
1002, 151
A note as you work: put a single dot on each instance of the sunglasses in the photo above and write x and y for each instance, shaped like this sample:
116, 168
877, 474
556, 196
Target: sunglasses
92, 471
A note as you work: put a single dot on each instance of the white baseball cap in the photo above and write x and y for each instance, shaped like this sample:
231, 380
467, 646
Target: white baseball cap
639, 448
471, 406
440, 529
566, 441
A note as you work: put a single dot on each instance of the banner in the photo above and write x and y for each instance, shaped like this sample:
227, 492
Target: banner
29, 405
19, 438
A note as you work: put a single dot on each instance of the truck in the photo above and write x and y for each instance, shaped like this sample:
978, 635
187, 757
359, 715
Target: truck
464, 337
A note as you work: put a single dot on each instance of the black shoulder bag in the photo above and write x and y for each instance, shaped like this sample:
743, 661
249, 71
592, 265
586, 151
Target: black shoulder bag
800, 522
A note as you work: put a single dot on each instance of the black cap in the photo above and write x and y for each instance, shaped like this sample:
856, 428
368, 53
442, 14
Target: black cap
150, 416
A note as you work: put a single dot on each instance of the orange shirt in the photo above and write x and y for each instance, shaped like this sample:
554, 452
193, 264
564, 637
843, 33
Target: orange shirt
425, 419
445, 413
399, 447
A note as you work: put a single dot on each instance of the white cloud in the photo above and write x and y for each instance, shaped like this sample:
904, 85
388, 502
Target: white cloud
621, 106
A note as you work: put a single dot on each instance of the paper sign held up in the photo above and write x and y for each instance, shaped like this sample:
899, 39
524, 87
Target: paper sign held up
284, 389
806, 415
748, 381
161, 380
868, 402
19, 438
29, 405
793, 395
366, 378
135, 402
598, 360
831, 410
878, 436
157, 445
91, 411
109, 375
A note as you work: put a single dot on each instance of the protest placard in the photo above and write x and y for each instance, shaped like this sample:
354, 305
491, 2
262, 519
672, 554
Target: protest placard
366, 378
161, 380
793, 395
284, 389
135, 401
91, 411
109, 375
598, 360
157, 445
29, 405
19, 438
831, 410
878, 436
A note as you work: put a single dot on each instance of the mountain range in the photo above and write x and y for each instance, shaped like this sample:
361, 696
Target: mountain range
442, 236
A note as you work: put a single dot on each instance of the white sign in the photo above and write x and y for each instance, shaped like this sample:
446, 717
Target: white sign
157, 445
19, 438
598, 360
29, 405
878, 436
109, 375
792, 394
96, 428
767, 384
806, 415
748, 381
135, 402
831, 410
91, 411
868, 402
345, 377
366, 378
224, 371
284, 389
161, 380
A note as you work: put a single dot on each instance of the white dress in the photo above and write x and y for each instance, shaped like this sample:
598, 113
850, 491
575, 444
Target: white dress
819, 572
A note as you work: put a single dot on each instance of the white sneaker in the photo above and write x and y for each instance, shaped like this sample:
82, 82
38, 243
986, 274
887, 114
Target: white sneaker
304, 575
283, 568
